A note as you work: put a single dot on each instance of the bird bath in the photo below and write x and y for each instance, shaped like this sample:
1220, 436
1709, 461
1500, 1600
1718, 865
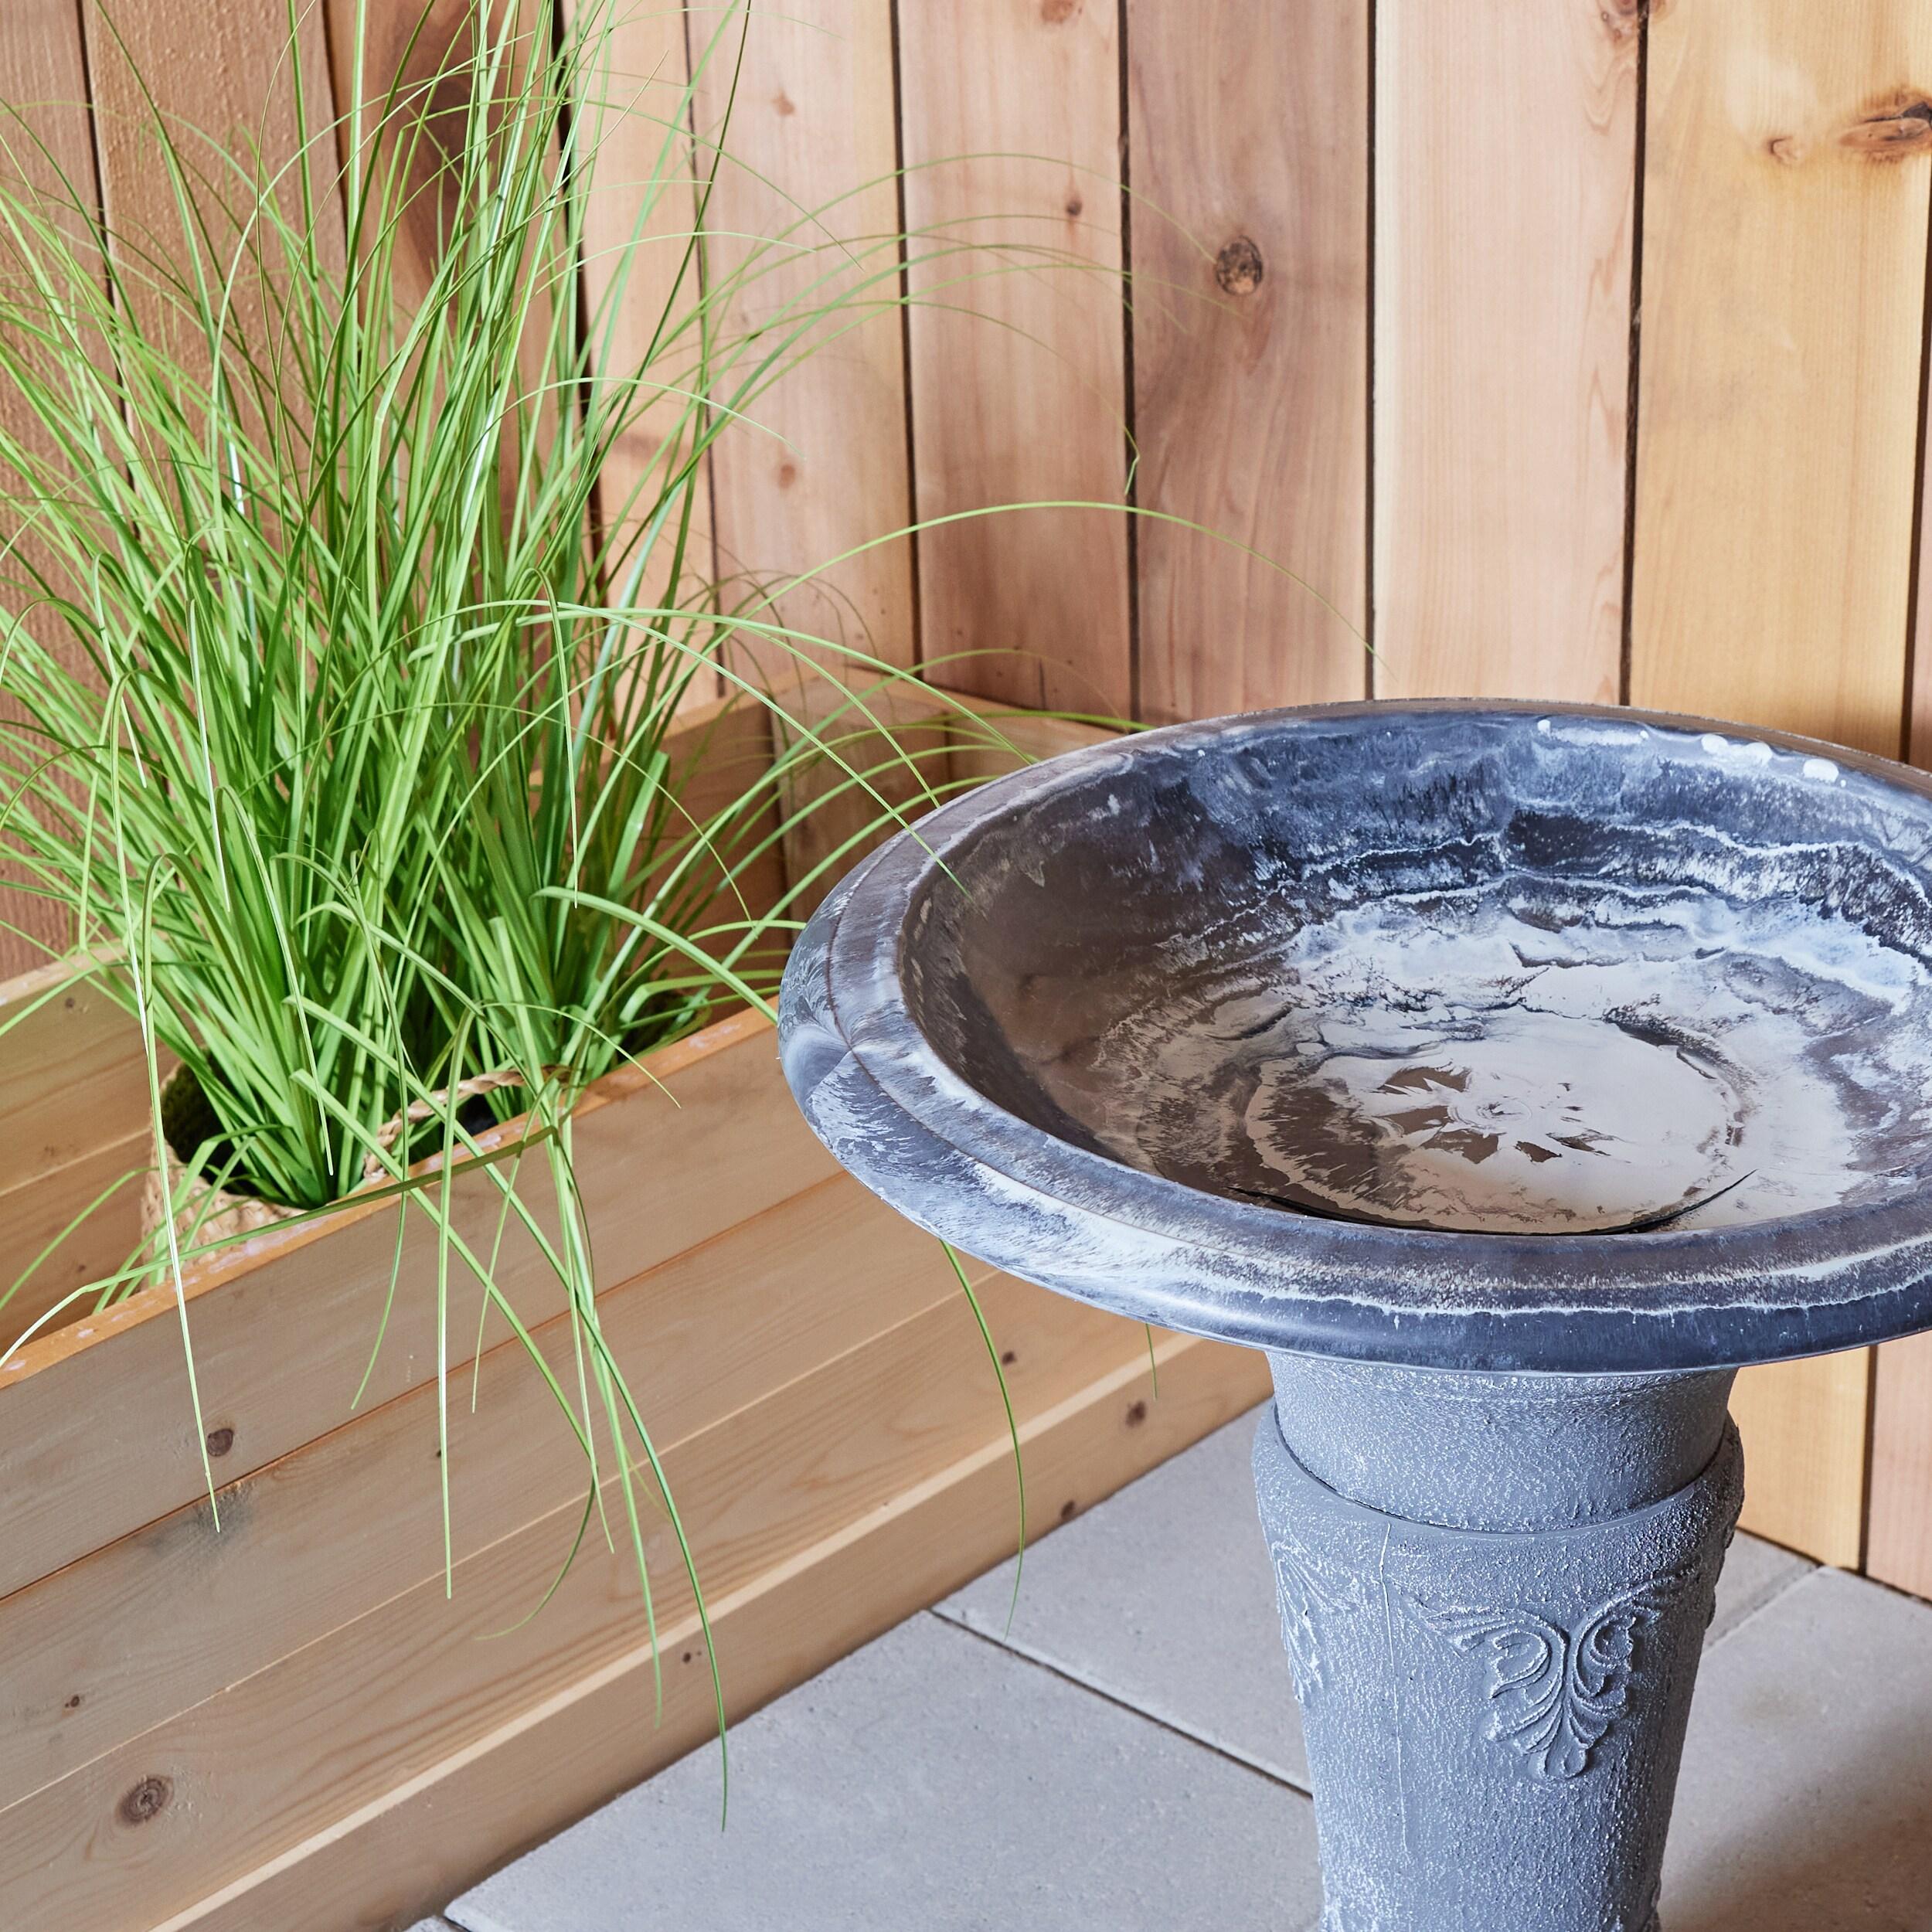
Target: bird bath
1510, 1077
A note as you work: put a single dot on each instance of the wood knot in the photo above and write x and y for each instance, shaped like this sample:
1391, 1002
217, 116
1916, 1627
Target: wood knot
148, 1799
1075, 207
1057, 12
1621, 19
1136, 1414
73, 1703
787, 475
784, 103
1785, 147
1901, 127
220, 1441
1008, 1357
1238, 268
1067, 1510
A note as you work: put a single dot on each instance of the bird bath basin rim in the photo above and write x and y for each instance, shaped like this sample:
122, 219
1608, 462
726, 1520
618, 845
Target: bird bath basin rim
891, 1108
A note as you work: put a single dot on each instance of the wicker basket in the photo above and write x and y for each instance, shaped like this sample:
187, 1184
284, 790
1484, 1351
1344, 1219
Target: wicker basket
187, 1120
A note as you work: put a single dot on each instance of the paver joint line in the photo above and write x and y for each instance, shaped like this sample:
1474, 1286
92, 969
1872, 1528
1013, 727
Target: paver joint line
1066, 1787
953, 1620
472, 1921
1785, 1583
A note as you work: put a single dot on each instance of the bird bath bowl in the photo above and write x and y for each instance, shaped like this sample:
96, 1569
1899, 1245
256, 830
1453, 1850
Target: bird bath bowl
1510, 1077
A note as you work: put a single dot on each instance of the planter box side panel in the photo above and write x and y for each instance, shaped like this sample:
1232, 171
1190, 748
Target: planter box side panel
96, 1429
74, 1092
319, 1537
288, 1750
394, 1857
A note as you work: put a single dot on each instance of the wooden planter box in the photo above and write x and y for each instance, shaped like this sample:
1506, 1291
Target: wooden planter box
286, 1723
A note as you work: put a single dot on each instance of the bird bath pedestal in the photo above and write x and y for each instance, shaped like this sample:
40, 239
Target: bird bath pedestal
1508, 1075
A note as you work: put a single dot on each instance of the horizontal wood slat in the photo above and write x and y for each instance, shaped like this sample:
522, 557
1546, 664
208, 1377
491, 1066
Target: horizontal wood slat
96, 1440
756, 1486
74, 1092
38, 1219
305, 1544
72, 1078
540, 1766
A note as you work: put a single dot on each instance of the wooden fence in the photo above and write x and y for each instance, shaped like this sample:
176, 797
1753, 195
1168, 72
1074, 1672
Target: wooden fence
1573, 350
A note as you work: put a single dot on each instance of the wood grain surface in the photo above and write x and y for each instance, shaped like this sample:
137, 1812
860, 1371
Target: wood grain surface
1011, 123
805, 213
1505, 177
1250, 176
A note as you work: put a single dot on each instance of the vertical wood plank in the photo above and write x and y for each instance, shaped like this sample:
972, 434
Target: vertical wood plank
224, 76
1011, 114
405, 47
412, 51
45, 135
1784, 240
1899, 1545
1505, 177
47, 143
1784, 279
805, 213
642, 281
1898, 1537
1918, 700
1250, 164
1803, 1425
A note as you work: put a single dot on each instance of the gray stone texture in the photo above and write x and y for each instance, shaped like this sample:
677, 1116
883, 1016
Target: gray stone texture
1084, 1022
1495, 1683
934, 1781
917, 1770
1162, 1599
1805, 1804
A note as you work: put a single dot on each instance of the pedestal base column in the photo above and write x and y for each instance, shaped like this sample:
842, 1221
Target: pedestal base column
1494, 1591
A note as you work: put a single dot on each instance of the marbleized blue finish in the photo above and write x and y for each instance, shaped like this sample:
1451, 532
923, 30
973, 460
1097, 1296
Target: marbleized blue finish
934, 1005
1509, 1075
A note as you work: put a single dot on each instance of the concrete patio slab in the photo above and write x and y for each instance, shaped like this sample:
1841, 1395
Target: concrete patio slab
1754, 1572
1103, 1767
931, 1780
1162, 1598
1805, 1804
